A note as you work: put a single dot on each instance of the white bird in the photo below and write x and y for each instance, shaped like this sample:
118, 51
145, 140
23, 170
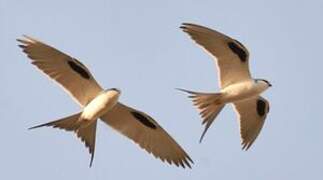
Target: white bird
236, 83
97, 103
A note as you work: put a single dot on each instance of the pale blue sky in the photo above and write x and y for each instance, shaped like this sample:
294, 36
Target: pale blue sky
137, 46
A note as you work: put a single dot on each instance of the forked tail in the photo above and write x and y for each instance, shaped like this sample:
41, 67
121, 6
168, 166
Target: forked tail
68, 123
209, 106
71, 123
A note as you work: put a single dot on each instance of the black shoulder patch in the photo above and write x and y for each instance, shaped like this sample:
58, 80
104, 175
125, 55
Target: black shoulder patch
143, 120
240, 43
78, 69
261, 107
238, 51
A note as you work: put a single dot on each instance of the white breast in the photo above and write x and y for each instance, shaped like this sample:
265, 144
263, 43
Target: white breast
100, 105
240, 91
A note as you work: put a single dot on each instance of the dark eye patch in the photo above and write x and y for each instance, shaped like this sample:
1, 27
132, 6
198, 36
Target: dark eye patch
143, 120
261, 107
78, 69
238, 51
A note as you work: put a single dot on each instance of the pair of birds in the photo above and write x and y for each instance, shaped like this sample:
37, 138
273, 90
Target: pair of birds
236, 83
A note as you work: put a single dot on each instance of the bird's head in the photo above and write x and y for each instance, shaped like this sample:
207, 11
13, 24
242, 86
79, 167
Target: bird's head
114, 89
263, 82
112, 93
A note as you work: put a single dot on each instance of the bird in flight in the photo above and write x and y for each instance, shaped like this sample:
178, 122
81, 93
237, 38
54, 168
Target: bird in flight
236, 84
97, 103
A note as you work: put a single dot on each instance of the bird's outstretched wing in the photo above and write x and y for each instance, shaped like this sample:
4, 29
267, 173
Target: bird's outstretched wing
147, 133
71, 74
252, 114
230, 55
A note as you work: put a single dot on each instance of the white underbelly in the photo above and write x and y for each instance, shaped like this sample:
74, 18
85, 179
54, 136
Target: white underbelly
99, 106
240, 91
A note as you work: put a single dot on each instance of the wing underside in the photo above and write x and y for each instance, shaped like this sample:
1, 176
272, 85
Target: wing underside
231, 57
147, 133
67, 71
252, 114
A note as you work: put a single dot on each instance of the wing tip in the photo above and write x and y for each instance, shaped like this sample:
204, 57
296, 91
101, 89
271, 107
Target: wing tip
246, 146
182, 26
26, 40
189, 26
186, 27
186, 24
190, 160
22, 46
184, 163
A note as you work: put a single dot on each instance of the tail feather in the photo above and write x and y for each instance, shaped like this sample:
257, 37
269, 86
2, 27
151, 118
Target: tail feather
210, 120
209, 106
68, 123
87, 136
71, 123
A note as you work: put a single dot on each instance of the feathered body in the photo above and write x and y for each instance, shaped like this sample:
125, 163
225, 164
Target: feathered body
237, 86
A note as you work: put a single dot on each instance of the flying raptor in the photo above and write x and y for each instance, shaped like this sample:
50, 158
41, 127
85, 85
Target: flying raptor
236, 84
97, 103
